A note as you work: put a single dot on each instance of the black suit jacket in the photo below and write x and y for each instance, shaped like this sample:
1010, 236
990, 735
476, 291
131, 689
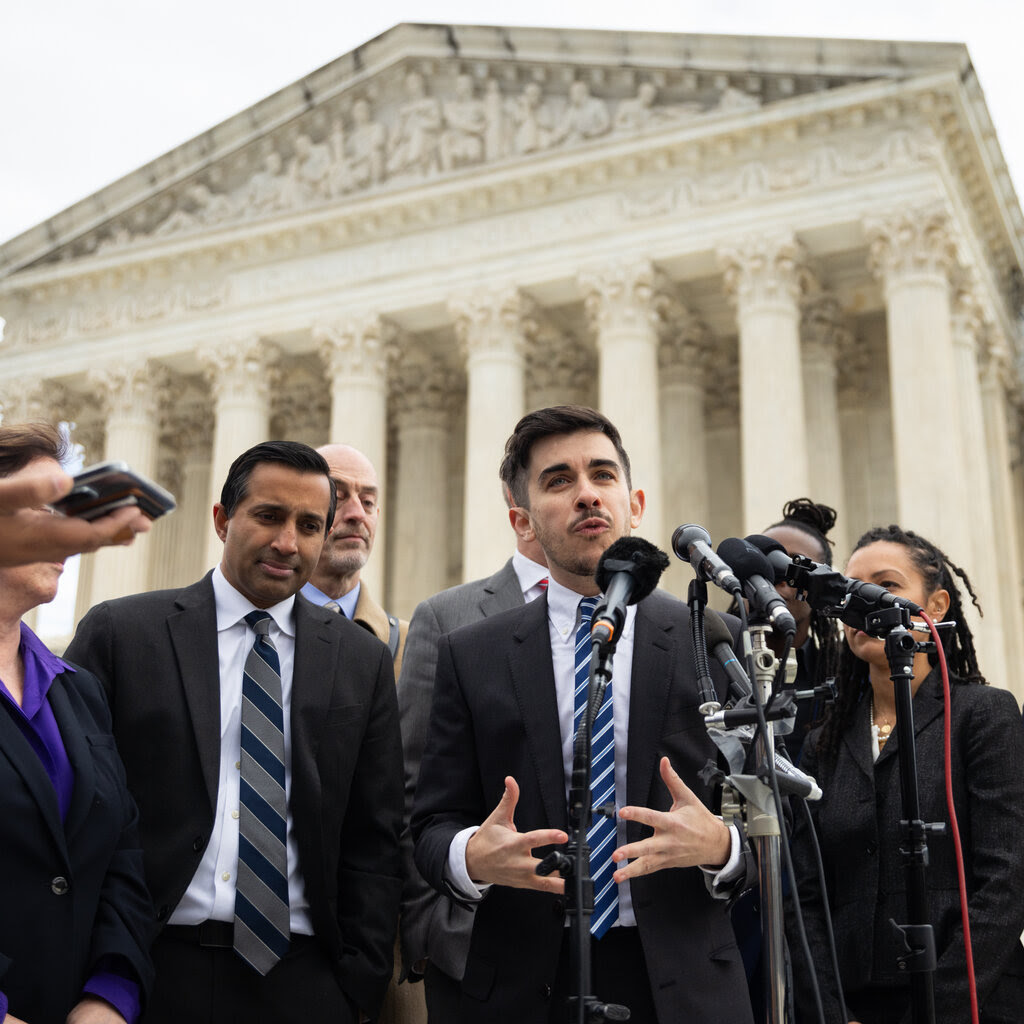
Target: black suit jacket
156, 654
432, 926
71, 892
858, 822
494, 715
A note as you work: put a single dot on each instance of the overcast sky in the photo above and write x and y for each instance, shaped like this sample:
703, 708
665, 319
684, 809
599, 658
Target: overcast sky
92, 89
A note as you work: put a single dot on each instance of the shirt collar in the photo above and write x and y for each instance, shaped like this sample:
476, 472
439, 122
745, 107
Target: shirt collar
232, 606
528, 572
42, 666
347, 602
563, 610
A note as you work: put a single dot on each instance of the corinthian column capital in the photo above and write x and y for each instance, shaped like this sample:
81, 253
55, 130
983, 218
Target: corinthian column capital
130, 390
765, 270
240, 368
909, 242
624, 295
357, 346
492, 321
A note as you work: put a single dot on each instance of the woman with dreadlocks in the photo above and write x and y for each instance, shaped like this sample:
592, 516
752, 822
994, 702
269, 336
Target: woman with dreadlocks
853, 757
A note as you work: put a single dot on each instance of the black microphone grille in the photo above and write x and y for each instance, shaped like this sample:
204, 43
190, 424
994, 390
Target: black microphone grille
685, 535
715, 629
636, 556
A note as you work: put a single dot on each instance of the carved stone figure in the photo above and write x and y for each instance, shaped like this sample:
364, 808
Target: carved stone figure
496, 140
641, 112
207, 208
268, 189
366, 142
311, 168
532, 120
736, 99
585, 117
414, 142
465, 118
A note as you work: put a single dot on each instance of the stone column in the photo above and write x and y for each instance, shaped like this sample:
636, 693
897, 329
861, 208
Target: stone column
976, 549
559, 367
421, 521
489, 327
996, 377
765, 278
356, 352
722, 409
300, 409
241, 376
623, 303
130, 395
682, 358
824, 337
912, 253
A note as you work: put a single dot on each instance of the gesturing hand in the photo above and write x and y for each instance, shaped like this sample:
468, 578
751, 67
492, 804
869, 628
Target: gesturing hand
497, 853
685, 835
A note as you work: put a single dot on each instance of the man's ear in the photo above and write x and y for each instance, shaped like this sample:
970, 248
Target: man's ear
637, 504
521, 523
220, 521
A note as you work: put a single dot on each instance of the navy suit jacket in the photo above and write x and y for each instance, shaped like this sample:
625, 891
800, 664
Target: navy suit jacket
495, 714
71, 892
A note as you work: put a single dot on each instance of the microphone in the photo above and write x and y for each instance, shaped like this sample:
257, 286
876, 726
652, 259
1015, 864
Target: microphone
827, 590
719, 641
793, 780
751, 566
692, 543
627, 572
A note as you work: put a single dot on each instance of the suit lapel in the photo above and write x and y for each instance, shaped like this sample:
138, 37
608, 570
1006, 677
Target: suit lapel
533, 680
655, 651
76, 746
854, 740
501, 592
317, 647
25, 761
193, 630
926, 706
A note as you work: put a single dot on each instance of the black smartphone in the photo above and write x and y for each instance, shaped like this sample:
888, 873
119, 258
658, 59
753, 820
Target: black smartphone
104, 487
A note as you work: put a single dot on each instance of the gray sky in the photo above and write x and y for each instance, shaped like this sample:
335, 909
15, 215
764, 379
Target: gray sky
92, 90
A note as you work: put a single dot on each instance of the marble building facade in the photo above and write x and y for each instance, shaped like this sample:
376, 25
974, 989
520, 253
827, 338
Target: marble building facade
781, 266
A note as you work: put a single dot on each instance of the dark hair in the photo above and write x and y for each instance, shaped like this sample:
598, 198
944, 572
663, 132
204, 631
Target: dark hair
812, 518
535, 426
939, 573
287, 453
23, 443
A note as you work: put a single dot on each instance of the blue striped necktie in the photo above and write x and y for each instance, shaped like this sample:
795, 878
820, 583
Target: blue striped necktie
601, 835
261, 897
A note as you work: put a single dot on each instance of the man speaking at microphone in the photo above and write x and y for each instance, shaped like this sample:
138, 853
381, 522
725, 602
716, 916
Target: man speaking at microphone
492, 792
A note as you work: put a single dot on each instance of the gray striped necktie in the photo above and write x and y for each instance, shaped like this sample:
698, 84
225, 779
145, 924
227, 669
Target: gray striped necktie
261, 897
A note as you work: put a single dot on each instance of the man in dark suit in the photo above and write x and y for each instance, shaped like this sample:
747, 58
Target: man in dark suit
493, 782
434, 930
314, 943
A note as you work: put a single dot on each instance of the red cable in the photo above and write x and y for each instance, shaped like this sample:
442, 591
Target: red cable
972, 987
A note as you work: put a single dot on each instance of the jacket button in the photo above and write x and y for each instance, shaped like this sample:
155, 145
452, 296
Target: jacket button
163, 913
198, 843
871, 847
545, 991
59, 886
558, 908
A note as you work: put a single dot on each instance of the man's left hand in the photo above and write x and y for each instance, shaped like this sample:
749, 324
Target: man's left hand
93, 1010
685, 836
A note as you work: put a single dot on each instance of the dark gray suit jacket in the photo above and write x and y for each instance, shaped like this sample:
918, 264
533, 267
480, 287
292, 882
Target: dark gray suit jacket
72, 891
431, 925
156, 655
495, 714
858, 822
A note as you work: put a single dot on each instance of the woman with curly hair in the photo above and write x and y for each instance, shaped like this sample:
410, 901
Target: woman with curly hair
853, 756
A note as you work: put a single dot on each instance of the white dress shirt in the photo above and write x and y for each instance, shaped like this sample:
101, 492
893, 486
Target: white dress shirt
530, 574
211, 893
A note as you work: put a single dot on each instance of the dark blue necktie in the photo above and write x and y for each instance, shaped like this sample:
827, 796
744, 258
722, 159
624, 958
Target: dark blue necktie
601, 835
261, 898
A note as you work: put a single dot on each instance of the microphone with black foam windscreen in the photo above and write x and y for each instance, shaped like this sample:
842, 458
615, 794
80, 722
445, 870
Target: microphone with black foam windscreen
758, 578
628, 572
692, 543
719, 641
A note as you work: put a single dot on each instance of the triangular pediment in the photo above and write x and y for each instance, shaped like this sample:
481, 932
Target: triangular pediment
425, 103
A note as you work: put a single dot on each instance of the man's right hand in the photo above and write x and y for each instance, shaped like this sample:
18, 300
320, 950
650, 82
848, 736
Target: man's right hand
498, 854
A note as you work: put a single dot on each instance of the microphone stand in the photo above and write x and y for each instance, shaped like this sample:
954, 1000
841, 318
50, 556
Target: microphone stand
574, 863
917, 938
763, 828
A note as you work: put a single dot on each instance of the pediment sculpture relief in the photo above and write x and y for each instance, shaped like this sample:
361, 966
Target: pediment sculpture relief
422, 136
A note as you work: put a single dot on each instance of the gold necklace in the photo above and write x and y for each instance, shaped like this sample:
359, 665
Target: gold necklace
884, 730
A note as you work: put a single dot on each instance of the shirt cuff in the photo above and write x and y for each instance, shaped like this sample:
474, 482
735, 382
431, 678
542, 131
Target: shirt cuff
718, 879
455, 870
122, 994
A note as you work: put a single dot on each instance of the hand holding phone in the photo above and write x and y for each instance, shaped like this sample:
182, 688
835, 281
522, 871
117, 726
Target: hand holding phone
98, 490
